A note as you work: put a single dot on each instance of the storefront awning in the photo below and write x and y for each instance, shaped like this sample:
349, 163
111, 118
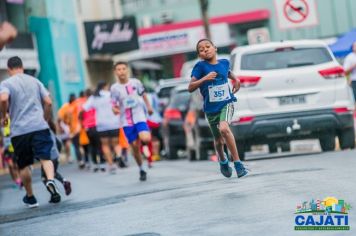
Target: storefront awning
181, 37
236, 18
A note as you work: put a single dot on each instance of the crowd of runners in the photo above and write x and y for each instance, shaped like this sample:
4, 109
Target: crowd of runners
103, 126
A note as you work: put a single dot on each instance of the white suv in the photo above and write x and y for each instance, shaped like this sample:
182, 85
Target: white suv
291, 90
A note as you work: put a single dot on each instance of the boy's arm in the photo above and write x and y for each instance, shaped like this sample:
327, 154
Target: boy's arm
4, 105
195, 83
148, 104
47, 107
114, 101
236, 82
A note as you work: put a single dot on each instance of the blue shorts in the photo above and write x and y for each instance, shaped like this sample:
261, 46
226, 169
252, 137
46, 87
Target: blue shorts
131, 132
34, 145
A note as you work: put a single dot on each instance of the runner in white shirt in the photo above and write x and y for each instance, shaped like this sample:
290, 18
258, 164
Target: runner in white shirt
107, 123
350, 67
129, 100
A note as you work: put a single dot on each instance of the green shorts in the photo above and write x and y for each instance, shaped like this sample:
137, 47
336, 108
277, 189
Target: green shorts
214, 119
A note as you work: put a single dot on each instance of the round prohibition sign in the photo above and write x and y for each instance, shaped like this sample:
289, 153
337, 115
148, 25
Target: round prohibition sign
296, 11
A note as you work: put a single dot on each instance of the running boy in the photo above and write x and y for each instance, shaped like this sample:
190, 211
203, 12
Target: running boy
210, 76
129, 100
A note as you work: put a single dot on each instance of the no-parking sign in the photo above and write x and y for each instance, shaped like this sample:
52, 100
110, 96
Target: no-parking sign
296, 13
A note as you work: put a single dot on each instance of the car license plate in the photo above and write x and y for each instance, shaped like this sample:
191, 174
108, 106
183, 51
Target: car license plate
289, 100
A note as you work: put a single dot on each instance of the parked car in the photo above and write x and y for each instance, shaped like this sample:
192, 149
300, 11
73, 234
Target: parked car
172, 125
291, 90
199, 139
164, 89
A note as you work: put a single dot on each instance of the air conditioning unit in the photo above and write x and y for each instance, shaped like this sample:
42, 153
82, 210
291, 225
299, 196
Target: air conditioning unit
166, 17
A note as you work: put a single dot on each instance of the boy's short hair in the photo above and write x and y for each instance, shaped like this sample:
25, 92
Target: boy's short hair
14, 63
201, 40
121, 63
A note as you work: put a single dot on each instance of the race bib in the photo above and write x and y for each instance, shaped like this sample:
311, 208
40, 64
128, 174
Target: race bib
219, 93
130, 102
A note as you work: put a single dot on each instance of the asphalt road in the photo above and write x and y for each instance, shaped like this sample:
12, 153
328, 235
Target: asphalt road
187, 198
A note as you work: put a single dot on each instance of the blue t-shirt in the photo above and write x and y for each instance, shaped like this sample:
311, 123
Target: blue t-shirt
216, 93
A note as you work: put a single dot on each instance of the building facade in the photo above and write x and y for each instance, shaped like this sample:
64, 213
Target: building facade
48, 44
54, 25
24, 45
97, 67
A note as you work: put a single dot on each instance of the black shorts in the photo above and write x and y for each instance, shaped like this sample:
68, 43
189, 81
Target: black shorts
33, 145
114, 133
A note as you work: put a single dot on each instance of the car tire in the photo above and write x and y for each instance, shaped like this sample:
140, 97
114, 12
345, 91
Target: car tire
191, 155
241, 149
285, 147
201, 152
272, 147
327, 142
347, 138
172, 152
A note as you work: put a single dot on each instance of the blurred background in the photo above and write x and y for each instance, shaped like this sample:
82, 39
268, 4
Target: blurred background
70, 45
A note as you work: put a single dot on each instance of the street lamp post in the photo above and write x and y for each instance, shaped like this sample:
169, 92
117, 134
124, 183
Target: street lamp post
204, 4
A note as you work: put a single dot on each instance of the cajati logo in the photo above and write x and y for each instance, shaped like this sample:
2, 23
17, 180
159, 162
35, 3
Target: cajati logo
328, 214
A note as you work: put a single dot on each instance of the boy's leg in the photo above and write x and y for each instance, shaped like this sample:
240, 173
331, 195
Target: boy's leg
60, 178
133, 136
48, 168
225, 131
26, 178
118, 151
57, 175
213, 121
219, 148
105, 145
43, 176
145, 137
225, 169
67, 150
136, 152
229, 138
78, 154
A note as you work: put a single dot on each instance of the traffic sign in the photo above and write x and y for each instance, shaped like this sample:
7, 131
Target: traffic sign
296, 13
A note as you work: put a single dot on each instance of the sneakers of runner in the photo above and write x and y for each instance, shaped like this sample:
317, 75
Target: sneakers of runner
30, 202
52, 189
81, 165
225, 169
67, 187
143, 175
112, 170
240, 169
121, 163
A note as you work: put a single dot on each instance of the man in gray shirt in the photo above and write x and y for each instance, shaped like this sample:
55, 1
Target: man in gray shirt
29, 105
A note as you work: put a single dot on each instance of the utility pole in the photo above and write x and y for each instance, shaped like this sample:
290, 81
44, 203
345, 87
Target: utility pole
204, 4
